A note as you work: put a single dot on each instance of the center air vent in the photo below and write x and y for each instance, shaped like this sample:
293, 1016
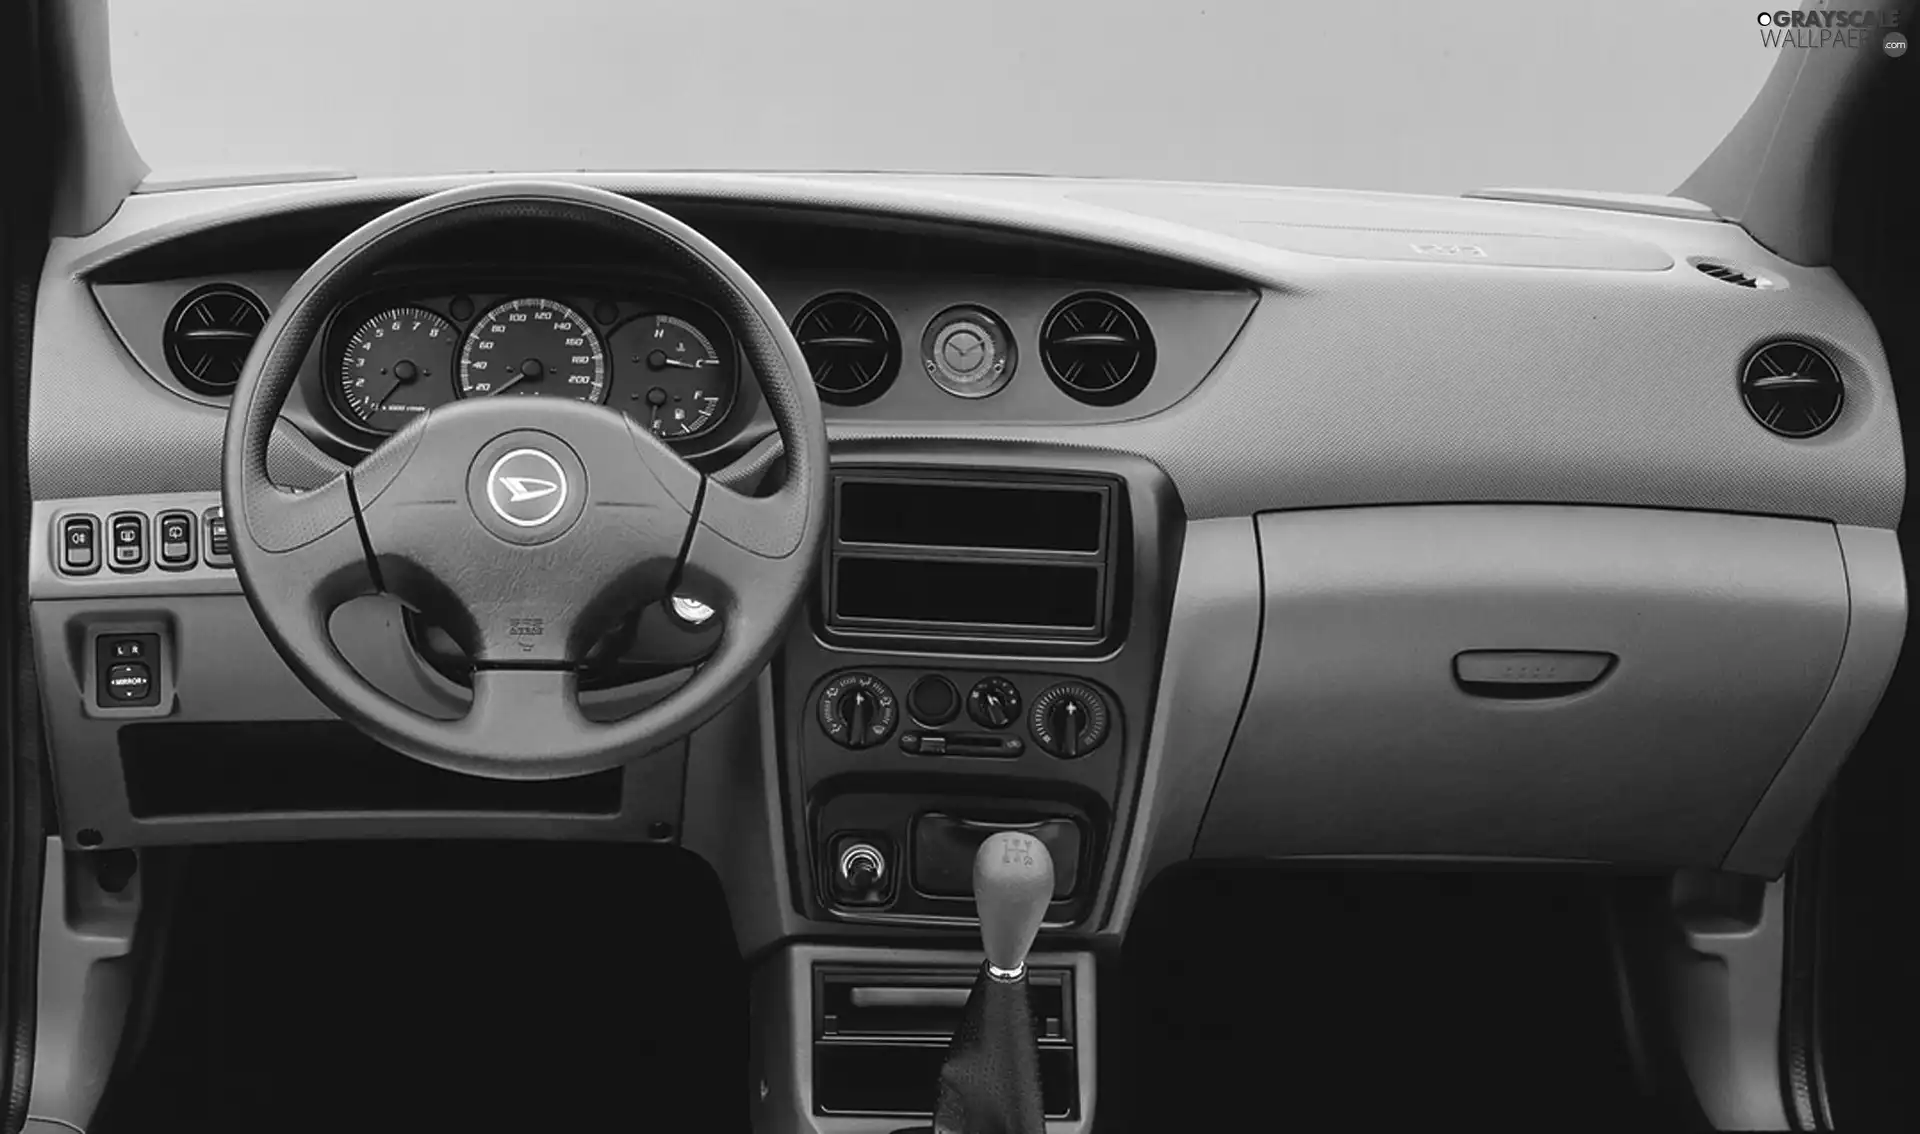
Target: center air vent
1721, 270
1097, 349
851, 346
209, 335
1792, 389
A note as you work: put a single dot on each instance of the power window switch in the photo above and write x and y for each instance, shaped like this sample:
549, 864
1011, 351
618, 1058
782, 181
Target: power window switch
127, 541
129, 682
173, 541
79, 545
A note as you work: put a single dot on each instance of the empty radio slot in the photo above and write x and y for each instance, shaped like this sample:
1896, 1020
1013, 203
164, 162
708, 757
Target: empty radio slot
968, 593
971, 554
937, 513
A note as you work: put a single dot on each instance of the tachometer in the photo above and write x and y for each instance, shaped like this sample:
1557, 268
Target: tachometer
672, 376
533, 346
398, 364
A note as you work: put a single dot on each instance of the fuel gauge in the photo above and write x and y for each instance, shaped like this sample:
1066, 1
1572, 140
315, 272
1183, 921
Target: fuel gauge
671, 376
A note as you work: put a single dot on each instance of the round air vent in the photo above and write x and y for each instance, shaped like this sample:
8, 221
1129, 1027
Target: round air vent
851, 345
1097, 349
209, 335
1792, 388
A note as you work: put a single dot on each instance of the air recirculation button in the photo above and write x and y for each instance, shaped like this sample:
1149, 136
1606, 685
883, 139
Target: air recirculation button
857, 710
1069, 720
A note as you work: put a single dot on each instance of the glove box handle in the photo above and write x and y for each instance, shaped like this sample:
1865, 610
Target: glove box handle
1530, 674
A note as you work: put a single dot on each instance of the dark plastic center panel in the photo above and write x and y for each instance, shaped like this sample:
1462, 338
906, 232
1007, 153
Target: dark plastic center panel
974, 554
880, 1034
905, 745
241, 768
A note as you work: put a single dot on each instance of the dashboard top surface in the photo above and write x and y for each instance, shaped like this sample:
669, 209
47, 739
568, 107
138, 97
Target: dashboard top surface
1340, 348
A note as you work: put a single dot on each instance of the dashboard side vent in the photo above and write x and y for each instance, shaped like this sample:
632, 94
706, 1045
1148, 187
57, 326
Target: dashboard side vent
209, 335
1097, 349
1741, 277
851, 345
1792, 388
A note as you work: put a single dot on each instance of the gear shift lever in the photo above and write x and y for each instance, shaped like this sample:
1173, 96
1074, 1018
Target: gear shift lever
1012, 884
990, 1083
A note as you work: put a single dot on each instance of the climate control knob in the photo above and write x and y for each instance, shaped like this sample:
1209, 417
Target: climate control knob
857, 710
994, 703
1069, 720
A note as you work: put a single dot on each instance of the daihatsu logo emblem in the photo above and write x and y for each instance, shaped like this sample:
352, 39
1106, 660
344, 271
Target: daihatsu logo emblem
527, 488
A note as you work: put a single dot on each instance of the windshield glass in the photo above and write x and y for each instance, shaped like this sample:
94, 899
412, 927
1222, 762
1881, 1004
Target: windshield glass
1411, 95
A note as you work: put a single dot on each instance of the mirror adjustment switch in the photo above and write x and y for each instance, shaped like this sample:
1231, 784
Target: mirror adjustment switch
127, 541
173, 541
79, 545
219, 542
127, 671
129, 682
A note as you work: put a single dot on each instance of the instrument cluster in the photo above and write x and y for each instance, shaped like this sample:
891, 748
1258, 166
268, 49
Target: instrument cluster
667, 362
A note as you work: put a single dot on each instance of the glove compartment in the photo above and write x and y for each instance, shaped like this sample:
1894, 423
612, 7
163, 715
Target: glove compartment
1533, 682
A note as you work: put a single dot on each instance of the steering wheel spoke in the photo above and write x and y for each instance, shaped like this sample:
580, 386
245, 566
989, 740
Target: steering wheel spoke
516, 715
307, 545
741, 548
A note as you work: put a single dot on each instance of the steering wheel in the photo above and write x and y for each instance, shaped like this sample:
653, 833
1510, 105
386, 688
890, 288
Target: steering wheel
525, 527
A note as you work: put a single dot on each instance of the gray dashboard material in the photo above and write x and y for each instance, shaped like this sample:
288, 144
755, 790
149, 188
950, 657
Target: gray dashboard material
1358, 740
1355, 381
1212, 640
1877, 594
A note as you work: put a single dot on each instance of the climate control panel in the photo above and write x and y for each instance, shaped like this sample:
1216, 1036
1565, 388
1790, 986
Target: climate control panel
985, 716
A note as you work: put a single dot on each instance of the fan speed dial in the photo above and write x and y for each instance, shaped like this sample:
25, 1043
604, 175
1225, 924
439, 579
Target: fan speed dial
1069, 720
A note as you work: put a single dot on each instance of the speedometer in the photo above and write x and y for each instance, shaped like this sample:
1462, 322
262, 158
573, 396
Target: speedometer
533, 346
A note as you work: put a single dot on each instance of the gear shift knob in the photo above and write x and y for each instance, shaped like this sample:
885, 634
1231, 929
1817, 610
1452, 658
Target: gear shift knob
1012, 884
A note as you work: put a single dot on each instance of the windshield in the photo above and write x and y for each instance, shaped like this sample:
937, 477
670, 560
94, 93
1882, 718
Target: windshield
1410, 95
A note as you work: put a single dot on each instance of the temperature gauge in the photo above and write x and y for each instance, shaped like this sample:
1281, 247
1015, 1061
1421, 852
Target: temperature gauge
671, 376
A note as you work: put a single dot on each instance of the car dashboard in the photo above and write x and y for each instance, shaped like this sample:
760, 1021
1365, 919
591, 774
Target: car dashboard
1170, 521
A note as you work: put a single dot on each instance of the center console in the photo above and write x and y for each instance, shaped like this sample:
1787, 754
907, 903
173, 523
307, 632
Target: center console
981, 656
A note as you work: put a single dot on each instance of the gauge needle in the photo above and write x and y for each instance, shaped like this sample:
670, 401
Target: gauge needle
660, 359
531, 368
404, 372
